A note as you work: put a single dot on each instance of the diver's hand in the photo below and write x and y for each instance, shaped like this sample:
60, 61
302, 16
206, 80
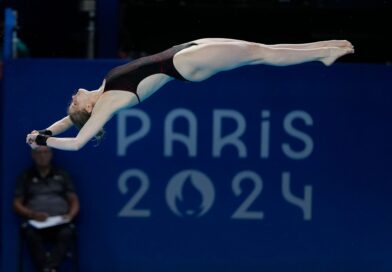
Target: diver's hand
30, 139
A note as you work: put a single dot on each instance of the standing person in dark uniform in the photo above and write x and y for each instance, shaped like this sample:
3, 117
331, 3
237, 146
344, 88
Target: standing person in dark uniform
41, 192
127, 85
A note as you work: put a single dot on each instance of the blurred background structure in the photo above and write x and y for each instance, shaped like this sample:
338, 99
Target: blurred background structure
109, 29
269, 21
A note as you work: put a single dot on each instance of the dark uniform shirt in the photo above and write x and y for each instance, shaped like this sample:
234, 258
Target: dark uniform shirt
45, 194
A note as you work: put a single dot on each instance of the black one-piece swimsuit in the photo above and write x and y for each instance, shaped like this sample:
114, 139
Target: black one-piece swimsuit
127, 77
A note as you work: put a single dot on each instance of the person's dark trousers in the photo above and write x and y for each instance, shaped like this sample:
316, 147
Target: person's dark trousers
48, 246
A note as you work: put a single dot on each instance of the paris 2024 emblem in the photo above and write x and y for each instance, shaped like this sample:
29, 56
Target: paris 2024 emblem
190, 193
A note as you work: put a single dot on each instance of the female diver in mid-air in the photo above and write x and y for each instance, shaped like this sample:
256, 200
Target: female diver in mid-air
129, 84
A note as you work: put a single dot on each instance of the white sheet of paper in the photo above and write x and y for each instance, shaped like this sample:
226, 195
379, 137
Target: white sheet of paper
49, 222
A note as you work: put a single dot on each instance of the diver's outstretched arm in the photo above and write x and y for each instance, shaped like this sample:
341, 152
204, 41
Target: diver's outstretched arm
87, 132
95, 123
56, 128
60, 126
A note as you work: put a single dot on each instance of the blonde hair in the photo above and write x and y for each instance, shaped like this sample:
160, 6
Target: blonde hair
79, 118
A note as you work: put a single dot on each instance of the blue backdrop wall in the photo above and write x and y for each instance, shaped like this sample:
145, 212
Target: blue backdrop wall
258, 169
